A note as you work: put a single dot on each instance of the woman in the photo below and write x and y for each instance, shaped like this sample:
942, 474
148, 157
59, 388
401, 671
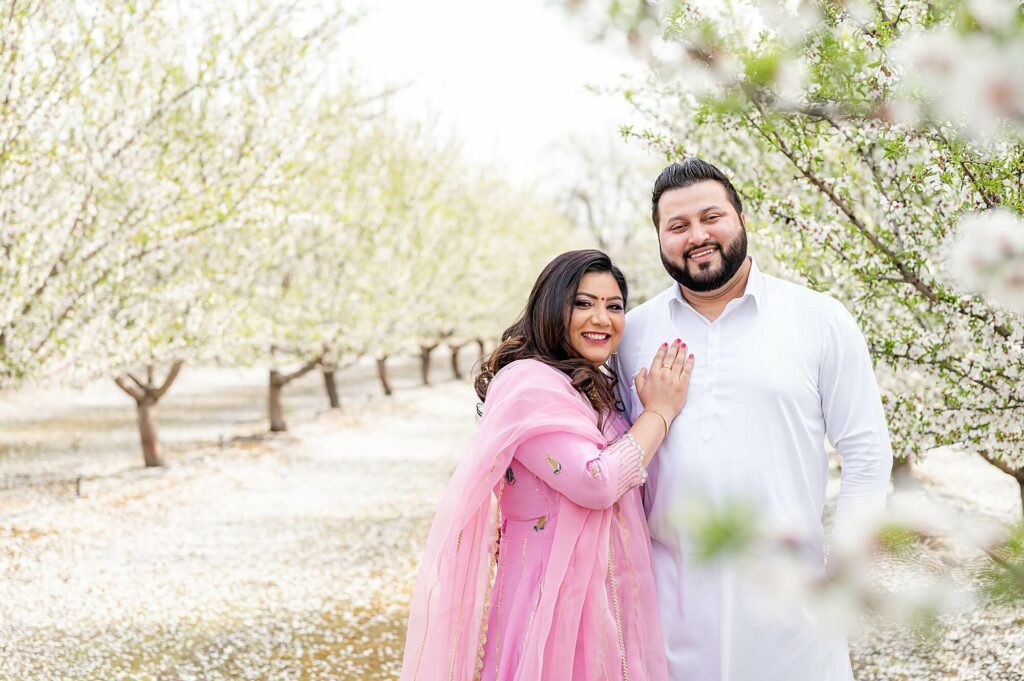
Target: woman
537, 567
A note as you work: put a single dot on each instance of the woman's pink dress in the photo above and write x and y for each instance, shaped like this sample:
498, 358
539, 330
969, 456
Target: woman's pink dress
554, 580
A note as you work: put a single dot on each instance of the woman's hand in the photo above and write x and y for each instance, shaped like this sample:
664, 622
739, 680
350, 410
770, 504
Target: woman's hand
663, 387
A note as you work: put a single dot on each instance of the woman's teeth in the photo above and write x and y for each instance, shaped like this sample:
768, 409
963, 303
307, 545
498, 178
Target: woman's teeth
599, 337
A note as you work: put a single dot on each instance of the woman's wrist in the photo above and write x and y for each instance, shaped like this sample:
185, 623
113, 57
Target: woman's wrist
659, 414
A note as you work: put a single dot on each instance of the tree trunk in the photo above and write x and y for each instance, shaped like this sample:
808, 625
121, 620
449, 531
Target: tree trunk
902, 471
482, 348
147, 433
382, 374
275, 405
146, 395
332, 388
1019, 475
278, 380
455, 362
425, 351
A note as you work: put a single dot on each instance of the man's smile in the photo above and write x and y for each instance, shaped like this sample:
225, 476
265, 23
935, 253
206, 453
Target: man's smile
702, 254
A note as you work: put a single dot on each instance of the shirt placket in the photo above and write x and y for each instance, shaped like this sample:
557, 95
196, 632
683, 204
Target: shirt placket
712, 364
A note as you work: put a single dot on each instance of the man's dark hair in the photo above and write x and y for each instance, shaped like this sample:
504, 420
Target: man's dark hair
688, 172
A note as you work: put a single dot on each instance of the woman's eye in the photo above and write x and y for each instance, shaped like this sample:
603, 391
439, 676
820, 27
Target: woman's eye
582, 303
617, 308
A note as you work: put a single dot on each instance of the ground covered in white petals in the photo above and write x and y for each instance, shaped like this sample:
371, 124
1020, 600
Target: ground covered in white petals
292, 557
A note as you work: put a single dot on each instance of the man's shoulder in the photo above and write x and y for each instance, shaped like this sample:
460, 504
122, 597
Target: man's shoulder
808, 300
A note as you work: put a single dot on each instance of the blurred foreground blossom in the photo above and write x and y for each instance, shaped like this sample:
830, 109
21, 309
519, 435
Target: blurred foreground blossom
987, 256
974, 80
848, 597
1004, 578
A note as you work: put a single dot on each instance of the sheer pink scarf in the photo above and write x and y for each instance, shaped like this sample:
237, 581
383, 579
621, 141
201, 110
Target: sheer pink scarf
568, 636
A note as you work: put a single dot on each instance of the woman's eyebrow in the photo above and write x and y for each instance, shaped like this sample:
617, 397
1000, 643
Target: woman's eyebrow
591, 295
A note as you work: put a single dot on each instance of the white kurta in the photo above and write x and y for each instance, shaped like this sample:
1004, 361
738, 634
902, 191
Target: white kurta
781, 368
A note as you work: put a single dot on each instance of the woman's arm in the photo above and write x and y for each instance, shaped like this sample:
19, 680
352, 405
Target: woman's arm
591, 476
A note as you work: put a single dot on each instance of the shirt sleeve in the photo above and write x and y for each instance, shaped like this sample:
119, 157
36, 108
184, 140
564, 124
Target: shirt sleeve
855, 425
591, 476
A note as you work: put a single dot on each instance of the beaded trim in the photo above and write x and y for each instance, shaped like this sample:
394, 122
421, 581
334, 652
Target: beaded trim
618, 616
493, 559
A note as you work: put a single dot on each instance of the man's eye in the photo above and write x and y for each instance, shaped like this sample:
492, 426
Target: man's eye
712, 218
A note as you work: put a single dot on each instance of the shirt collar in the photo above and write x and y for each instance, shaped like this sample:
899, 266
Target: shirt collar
753, 290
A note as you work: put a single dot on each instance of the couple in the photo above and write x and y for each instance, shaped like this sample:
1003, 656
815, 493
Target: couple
545, 561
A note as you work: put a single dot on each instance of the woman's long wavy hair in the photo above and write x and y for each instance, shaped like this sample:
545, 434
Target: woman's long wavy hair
542, 331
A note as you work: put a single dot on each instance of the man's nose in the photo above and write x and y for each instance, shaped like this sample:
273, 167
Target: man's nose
698, 234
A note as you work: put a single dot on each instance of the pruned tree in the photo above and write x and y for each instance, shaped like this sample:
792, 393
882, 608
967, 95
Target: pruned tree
147, 394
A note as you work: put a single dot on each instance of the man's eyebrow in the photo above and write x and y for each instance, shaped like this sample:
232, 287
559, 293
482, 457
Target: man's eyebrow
682, 216
591, 295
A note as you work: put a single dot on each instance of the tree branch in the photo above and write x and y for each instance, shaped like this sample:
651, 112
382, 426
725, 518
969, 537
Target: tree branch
1017, 473
906, 273
145, 387
171, 375
306, 368
991, 201
134, 392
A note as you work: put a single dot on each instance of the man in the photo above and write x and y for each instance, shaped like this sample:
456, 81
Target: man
778, 369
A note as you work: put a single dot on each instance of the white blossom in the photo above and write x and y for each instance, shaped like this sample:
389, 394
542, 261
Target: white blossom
974, 80
987, 256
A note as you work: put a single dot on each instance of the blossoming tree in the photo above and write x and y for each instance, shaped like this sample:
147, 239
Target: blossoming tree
862, 134
140, 142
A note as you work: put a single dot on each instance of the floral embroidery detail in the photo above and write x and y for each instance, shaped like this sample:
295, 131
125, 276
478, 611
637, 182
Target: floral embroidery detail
556, 467
510, 476
594, 469
541, 523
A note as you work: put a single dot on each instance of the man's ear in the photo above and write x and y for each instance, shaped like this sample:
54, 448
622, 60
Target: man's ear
743, 220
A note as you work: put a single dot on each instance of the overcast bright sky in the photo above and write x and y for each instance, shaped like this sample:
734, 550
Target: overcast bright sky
509, 78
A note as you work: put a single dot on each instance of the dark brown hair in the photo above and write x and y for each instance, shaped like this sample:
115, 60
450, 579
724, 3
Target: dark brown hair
688, 172
542, 330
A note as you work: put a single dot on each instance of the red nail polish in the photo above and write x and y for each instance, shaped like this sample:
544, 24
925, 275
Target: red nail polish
664, 345
678, 340
691, 355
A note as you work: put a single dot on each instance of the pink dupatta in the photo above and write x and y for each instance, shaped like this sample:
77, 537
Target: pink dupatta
568, 635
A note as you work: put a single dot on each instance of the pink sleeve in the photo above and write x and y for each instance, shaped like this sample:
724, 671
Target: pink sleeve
590, 476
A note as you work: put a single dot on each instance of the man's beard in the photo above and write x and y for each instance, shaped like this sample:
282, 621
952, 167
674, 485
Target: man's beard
705, 280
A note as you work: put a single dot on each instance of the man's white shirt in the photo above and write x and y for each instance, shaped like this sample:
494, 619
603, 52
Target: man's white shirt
782, 368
